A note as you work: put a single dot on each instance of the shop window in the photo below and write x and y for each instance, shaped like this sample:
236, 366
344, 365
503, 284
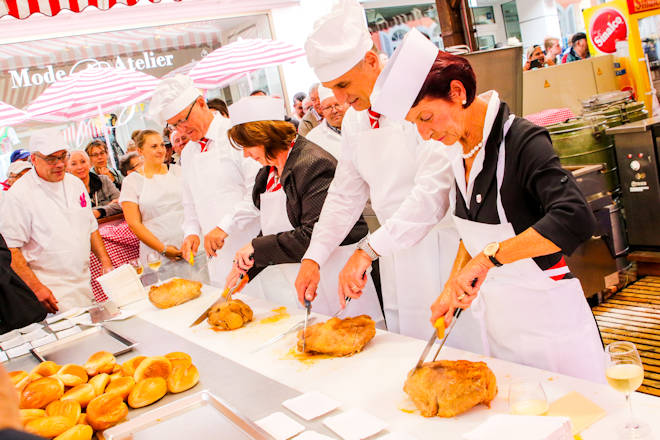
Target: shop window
483, 15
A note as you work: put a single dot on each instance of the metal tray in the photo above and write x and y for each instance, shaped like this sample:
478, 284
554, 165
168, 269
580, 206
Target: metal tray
200, 416
76, 349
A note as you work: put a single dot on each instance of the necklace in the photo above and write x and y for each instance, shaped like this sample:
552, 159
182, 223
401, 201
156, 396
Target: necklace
473, 151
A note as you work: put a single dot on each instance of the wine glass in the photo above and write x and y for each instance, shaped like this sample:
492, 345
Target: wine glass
136, 264
527, 398
153, 261
625, 373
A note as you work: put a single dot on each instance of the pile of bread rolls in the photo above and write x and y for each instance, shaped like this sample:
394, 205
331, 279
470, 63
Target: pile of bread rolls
70, 402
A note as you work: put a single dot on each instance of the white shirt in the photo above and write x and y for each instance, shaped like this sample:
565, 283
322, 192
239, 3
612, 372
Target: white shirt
240, 182
326, 138
407, 215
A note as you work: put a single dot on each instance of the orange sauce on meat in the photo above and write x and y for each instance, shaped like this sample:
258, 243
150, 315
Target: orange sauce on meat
280, 313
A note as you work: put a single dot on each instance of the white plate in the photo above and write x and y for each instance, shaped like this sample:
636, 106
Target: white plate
355, 424
30, 328
311, 405
313, 435
280, 426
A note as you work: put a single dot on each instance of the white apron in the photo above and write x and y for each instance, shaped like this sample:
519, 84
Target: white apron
63, 263
521, 314
278, 281
411, 279
209, 170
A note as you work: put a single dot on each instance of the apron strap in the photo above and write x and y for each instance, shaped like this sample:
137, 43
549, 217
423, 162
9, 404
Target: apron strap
500, 170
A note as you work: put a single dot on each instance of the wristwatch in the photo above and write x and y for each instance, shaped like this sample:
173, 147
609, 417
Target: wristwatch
164, 251
364, 245
490, 250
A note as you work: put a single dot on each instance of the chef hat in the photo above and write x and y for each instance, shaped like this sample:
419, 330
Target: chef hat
47, 141
170, 97
18, 166
325, 93
404, 74
256, 108
339, 41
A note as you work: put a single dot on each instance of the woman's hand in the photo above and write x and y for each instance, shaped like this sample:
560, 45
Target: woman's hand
97, 213
189, 246
445, 304
307, 280
469, 280
352, 277
233, 276
245, 257
173, 253
214, 241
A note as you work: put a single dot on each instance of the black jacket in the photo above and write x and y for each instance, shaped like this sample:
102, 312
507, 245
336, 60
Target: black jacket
305, 180
11, 434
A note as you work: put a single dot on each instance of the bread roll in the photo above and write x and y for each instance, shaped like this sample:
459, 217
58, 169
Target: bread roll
26, 380
182, 379
116, 369
179, 358
66, 408
100, 362
128, 367
72, 375
121, 386
147, 391
155, 366
41, 392
105, 411
46, 368
49, 426
83, 394
78, 432
17, 376
99, 382
82, 420
31, 414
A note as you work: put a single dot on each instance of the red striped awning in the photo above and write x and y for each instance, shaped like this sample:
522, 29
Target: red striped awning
10, 115
25, 8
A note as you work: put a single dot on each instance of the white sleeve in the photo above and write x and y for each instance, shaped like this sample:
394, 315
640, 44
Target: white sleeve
423, 208
15, 221
245, 211
191, 224
129, 189
347, 195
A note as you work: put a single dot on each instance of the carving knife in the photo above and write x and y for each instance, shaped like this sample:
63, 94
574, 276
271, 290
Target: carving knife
308, 307
297, 326
225, 294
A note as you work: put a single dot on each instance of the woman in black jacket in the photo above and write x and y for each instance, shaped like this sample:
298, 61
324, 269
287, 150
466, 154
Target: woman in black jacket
288, 195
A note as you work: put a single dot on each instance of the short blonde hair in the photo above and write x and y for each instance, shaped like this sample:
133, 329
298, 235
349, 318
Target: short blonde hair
83, 152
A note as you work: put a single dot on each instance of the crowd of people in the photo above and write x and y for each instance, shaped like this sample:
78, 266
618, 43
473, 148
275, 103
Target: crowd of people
461, 188
551, 53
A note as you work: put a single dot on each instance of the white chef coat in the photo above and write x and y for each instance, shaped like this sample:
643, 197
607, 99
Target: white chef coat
408, 181
326, 138
51, 223
214, 182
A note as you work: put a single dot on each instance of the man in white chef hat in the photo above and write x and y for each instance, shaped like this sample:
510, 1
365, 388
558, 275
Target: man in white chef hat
407, 179
49, 227
328, 133
216, 177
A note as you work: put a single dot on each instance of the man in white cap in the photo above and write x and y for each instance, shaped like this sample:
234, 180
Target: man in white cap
49, 227
328, 133
216, 176
407, 179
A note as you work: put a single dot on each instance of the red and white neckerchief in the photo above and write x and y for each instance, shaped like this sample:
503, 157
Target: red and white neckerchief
203, 142
374, 118
273, 184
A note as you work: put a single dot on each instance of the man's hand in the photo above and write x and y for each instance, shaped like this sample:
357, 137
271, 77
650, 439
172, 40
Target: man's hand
9, 415
190, 245
244, 258
307, 280
46, 298
214, 241
352, 277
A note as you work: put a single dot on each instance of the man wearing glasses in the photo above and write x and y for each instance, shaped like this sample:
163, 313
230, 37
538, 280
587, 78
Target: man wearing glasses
328, 133
49, 227
216, 177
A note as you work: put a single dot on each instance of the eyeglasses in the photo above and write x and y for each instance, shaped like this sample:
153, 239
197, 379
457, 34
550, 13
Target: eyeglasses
52, 160
180, 122
336, 107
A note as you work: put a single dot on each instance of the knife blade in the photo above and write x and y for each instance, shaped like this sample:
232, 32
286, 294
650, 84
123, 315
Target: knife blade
425, 353
226, 296
348, 299
308, 307
294, 328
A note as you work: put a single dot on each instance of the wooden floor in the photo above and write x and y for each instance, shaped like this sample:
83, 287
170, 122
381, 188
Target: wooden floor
633, 314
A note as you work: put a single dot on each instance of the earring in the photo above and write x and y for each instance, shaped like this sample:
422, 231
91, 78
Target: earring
464, 102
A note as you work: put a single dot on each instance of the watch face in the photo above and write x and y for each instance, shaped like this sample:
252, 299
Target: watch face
491, 249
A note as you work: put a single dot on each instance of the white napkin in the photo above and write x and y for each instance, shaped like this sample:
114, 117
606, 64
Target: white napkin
3, 356
313, 435
515, 427
61, 325
68, 332
355, 424
280, 426
14, 342
19, 351
30, 328
398, 436
35, 334
43, 341
311, 405
9, 335
68, 314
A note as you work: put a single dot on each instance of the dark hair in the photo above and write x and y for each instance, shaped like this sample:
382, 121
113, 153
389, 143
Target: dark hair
577, 37
275, 136
94, 144
300, 96
134, 134
125, 162
219, 105
141, 138
167, 132
258, 92
447, 68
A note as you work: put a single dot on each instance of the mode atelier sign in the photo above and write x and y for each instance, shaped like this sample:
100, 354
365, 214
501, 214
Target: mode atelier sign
25, 78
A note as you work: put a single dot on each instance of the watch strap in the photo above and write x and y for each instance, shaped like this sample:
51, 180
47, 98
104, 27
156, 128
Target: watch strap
494, 261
